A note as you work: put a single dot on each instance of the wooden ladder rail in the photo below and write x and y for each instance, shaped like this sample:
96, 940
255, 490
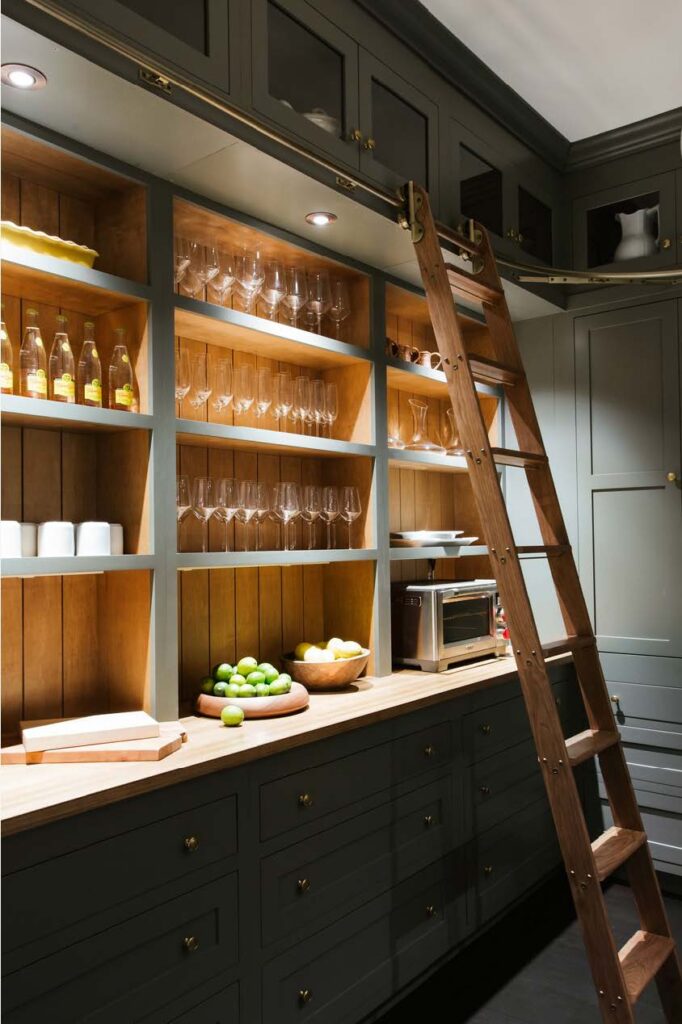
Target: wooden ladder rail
619, 976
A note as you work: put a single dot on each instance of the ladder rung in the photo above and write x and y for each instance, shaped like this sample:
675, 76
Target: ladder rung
567, 645
487, 371
641, 958
585, 745
551, 550
466, 284
510, 457
614, 847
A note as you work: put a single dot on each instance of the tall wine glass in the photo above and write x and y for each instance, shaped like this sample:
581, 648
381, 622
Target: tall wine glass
181, 258
203, 264
263, 395
248, 506
220, 285
332, 403
319, 295
201, 386
287, 507
339, 308
274, 287
204, 504
263, 508
349, 502
227, 500
311, 509
222, 384
249, 275
301, 407
183, 500
183, 374
330, 512
296, 293
244, 387
282, 396
318, 404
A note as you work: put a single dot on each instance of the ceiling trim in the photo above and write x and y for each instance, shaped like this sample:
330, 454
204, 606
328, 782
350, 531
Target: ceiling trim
412, 23
658, 130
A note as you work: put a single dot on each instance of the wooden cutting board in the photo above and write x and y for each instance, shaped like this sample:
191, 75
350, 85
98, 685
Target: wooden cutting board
256, 707
154, 748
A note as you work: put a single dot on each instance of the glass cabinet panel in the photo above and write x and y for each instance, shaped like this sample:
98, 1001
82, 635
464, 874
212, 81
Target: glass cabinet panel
185, 19
623, 230
535, 226
480, 190
305, 73
401, 135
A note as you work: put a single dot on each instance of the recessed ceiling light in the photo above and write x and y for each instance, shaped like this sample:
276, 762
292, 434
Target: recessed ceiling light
320, 217
22, 76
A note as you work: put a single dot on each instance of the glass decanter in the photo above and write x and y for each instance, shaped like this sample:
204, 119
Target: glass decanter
419, 442
454, 446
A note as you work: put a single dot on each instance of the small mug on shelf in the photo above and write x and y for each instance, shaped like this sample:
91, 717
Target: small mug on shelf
116, 538
93, 538
29, 540
10, 538
56, 540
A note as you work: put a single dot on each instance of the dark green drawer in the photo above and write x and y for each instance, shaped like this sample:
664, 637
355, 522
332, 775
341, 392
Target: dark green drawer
422, 751
505, 784
490, 730
221, 1008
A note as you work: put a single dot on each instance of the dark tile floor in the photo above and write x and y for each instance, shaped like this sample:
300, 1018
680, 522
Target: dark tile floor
530, 969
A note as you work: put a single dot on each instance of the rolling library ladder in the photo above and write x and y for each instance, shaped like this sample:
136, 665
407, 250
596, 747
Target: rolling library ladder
620, 976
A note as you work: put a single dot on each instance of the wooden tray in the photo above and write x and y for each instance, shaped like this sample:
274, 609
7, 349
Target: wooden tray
153, 749
256, 707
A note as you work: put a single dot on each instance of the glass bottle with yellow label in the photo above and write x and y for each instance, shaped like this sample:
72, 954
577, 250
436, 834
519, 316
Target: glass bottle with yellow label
6, 360
121, 391
89, 377
33, 359
62, 366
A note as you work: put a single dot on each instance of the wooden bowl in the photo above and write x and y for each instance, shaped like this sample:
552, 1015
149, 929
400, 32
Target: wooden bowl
256, 707
326, 675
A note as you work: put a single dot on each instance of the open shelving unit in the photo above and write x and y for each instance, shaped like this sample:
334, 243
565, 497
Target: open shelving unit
139, 630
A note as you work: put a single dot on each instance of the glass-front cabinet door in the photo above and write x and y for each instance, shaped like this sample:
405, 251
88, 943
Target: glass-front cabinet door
399, 127
305, 76
196, 36
478, 186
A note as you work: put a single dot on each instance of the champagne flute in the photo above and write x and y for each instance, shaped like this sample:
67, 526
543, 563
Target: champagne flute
247, 507
330, 512
287, 507
183, 500
204, 504
349, 502
339, 308
227, 500
282, 396
318, 404
263, 396
181, 258
244, 389
274, 287
220, 285
301, 406
249, 276
319, 295
296, 293
332, 403
201, 387
311, 509
183, 374
222, 384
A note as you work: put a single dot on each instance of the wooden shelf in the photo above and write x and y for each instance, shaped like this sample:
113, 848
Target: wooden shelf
41, 278
215, 435
29, 412
437, 551
29, 567
400, 458
230, 328
238, 559
420, 380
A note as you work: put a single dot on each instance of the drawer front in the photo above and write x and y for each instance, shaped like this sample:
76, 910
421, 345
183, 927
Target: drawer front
490, 730
318, 880
47, 897
221, 1008
422, 751
308, 795
129, 970
648, 715
505, 784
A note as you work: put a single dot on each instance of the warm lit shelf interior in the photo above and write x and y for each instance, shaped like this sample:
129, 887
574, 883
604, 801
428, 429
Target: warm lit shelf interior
27, 412
268, 442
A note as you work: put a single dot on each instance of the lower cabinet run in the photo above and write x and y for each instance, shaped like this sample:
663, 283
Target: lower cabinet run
311, 885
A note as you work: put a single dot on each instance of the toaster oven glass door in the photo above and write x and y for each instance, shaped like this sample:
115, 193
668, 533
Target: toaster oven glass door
465, 619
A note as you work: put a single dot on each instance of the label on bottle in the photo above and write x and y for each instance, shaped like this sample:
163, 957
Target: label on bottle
124, 396
6, 379
37, 383
65, 387
92, 392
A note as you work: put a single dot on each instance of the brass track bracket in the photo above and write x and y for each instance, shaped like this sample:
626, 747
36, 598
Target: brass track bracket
157, 81
407, 218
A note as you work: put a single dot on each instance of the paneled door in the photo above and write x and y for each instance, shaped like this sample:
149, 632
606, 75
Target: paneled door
630, 496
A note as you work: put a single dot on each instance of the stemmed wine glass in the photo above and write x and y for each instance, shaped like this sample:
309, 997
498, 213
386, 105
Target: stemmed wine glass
183, 500
244, 393
183, 374
222, 384
263, 509
247, 508
311, 509
351, 508
249, 276
330, 512
286, 505
296, 293
181, 258
282, 397
263, 395
318, 405
203, 266
339, 308
220, 285
274, 287
332, 406
201, 386
301, 404
204, 504
319, 295
227, 501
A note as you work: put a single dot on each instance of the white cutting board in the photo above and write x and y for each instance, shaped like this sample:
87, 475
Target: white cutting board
81, 732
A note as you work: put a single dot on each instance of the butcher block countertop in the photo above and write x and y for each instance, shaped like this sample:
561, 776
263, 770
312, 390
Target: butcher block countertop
34, 795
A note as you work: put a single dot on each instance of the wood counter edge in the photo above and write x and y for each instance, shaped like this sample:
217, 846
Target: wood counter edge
84, 789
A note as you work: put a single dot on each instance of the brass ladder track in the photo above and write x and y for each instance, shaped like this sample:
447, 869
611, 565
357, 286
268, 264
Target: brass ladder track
620, 976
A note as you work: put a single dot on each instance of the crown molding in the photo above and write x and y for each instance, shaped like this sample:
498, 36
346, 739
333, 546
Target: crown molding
415, 26
659, 130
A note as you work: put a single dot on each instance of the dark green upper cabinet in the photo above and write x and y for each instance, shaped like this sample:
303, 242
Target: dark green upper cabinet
195, 36
628, 227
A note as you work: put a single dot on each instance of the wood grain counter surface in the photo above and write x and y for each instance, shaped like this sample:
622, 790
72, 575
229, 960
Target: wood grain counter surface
34, 795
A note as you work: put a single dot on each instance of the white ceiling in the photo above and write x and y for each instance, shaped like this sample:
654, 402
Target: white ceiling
587, 66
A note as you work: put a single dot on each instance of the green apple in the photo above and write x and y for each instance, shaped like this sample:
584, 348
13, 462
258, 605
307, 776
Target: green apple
247, 690
207, 684
222, 672
262, 690
278, 687
246, 665
237, 680
270, 674
255, 677
232, 715
220, 689
232, 689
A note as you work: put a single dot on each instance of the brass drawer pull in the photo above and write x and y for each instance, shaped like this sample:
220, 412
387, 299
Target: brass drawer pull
191, 844
429, 820
304, 996
485, 790
666, 243
431, 910
429, 750
303, 884
305, 800
369, 144
190, 944
488, 869
486, 729
355, 135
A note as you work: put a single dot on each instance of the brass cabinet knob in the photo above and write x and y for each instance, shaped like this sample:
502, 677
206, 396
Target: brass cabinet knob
485, 790
431, 910
305, 800
190, 944
429, 820
671, 477
511, 233
429, 750
191, 844
488, 869
615, 699
486, 729
666, 243
356, 135
304, 996
303, 884
369, 144
519, 238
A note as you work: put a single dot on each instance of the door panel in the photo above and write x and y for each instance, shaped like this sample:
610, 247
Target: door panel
628, 423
